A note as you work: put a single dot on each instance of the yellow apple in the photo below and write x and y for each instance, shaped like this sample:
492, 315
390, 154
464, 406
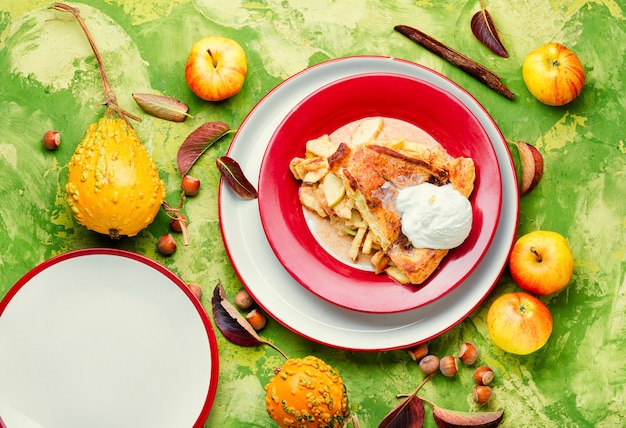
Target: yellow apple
216, 68
553, 74
541, 262
519, 323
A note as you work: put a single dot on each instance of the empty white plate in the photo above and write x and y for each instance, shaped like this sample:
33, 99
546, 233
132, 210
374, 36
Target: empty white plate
105, 338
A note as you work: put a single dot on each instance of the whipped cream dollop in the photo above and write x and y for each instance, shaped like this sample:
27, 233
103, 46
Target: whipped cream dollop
437, 217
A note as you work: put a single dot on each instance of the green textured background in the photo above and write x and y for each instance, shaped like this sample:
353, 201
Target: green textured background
49, 80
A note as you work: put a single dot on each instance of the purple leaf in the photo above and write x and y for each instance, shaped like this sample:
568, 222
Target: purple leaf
197, 142
233, 176
408, 414
484, 29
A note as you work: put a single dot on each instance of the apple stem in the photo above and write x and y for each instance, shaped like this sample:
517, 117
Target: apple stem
534, 251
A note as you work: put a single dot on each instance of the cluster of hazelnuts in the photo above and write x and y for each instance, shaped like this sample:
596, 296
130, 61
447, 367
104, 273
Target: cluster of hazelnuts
448, 366
244, 301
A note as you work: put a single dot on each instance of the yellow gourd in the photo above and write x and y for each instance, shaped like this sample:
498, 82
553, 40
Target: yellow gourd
113, 185
307, 393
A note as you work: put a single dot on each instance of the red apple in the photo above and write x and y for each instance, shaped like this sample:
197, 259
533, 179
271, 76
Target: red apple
519, 323
553, 74
532, 165
216, 68
541, 262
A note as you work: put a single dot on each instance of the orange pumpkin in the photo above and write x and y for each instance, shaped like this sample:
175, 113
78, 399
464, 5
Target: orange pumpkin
307, 393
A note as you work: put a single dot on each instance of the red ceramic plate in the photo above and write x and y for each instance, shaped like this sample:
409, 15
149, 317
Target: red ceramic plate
341, 102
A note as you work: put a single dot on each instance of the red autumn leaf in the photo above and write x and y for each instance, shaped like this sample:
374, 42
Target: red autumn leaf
484, 29
197, 142
408, 414
453, 419
233, 176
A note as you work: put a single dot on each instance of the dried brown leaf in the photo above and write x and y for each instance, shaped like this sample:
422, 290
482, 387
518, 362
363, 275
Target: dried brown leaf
197, 142
234, 177
484, 29
163, 107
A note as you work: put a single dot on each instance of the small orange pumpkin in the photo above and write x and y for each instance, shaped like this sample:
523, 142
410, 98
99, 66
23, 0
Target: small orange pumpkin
307, 393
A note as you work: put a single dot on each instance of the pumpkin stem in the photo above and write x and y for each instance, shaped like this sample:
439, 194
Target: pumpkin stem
110, 98
114, 233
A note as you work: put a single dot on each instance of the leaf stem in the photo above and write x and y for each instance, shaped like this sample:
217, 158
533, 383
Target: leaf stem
276, 348
110, 98
426, 379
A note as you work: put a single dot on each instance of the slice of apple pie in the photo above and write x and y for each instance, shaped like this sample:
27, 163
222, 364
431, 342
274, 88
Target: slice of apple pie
355, 185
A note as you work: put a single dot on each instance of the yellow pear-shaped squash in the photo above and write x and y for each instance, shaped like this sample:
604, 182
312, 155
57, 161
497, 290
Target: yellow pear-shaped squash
307, 393
113, 185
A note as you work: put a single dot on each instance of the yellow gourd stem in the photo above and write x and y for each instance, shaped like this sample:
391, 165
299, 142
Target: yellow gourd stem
110, 98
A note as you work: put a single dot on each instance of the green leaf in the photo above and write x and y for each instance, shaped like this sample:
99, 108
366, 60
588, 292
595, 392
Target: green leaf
163, 107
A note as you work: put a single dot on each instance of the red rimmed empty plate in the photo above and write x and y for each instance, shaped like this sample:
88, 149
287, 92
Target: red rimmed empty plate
104, 337
396, 97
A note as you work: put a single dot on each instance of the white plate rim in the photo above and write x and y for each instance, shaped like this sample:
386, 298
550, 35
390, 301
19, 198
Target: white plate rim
201, 313
287, 301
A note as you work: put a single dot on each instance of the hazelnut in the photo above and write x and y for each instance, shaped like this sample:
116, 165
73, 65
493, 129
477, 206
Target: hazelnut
483, 375
166, 245
243, 299
176, 222
256, 319
418, 352
196, 290
481, 394
190, 185
448, 366
468, 354
429, 364
51, 140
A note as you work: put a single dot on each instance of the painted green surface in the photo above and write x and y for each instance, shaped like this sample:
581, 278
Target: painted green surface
48, 80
